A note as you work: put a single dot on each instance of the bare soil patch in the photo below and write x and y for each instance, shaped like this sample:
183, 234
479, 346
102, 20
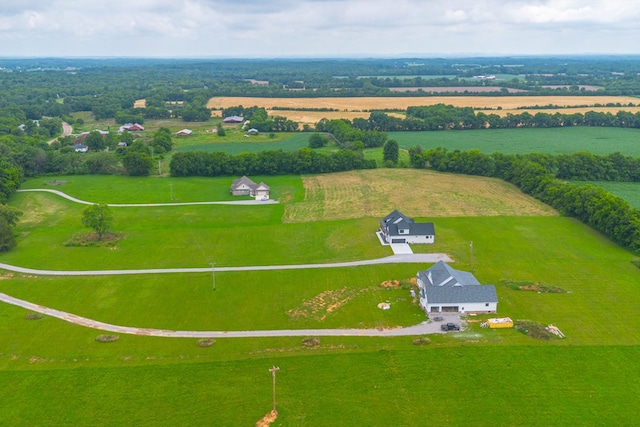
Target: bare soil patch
535, 287
418, 193
91, 239
323, 304
140, 103
268, 419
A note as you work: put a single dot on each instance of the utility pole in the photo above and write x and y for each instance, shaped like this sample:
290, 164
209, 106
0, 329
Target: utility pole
213, 274
471, 255
273, 373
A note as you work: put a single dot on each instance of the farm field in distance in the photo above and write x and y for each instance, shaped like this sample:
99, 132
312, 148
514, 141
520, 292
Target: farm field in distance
350, 108
520, 141
565, 381
630, 191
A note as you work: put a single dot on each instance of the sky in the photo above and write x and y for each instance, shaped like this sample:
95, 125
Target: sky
316, 28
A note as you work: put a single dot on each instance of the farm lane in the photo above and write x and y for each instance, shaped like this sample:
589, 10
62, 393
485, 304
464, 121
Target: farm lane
420, 329
129, 205
393, 259
66, 131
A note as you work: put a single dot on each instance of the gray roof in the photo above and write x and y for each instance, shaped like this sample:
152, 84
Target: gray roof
461, 294
446, 285
244, 180
444, 275
396, 221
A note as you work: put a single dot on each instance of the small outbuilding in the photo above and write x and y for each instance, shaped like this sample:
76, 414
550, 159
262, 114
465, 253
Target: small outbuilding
184, 132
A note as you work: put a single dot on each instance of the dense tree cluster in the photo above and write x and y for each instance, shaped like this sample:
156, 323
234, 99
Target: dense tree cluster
609, 214
448, 117
347, 135
270, 162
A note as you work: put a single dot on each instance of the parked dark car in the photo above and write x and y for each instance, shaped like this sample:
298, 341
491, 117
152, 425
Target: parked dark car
450, 327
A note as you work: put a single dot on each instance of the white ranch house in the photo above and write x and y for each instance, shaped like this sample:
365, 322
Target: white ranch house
398, 228
246, 187
446, 290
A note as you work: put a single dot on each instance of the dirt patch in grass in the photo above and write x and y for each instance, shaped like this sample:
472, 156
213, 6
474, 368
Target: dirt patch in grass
91, 239
206, 342
268, 419
535, 287
418, 193
56, 183
107, 338
533, 329
311, 342
399, 284
323, 304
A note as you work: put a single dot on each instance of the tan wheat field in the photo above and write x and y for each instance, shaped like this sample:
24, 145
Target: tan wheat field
417, 193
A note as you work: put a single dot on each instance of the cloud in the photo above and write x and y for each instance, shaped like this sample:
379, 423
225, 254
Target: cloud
315, 27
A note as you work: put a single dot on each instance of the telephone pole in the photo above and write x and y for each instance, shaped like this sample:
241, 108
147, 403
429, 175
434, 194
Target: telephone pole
273, 373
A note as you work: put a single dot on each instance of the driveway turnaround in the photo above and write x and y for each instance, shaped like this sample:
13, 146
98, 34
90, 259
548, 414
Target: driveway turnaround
393, 259
421, 329
138, 205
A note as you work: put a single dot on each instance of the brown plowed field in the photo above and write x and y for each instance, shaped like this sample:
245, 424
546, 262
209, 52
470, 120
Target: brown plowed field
418, 193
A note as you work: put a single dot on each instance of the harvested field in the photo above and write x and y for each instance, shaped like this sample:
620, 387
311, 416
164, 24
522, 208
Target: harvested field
140, 103
401, 103
418, 193
456, 89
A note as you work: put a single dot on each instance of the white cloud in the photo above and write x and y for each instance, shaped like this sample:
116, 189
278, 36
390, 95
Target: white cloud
316, 27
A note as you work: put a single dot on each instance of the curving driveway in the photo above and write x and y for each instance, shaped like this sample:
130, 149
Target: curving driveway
129, 205
425, 327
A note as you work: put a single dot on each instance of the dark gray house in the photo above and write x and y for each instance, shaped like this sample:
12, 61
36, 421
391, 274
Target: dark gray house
398, 228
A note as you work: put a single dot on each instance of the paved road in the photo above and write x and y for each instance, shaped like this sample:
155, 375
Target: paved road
393, 259
421, 329
129, 205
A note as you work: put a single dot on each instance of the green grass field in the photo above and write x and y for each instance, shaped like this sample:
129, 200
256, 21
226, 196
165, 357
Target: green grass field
630, 191
55, 373
520, 141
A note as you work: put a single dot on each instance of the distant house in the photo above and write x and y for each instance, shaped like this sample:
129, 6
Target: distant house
233, 119
398, 228
80, 148
131, 127
246, 187
122, 144
184, 132
444, 289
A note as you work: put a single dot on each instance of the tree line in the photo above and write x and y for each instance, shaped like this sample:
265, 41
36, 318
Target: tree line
449, 117
269, 162
534, 175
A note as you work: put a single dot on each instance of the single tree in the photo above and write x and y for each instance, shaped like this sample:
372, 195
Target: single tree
99, 218
137, 163
95, 141
317, 140
391, 151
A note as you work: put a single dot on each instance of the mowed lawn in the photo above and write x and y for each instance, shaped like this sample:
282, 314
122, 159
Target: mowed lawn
55, 373
520, 141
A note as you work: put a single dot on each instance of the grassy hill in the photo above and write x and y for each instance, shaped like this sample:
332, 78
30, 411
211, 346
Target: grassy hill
55, 373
